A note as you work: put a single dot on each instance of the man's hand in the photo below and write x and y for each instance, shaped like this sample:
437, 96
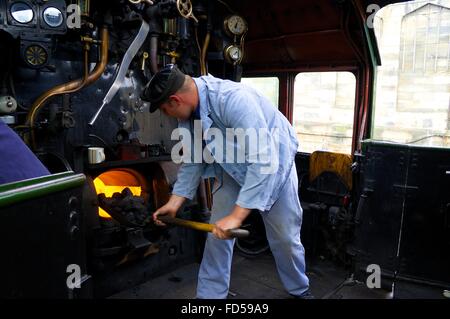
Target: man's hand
171, 208
233, 220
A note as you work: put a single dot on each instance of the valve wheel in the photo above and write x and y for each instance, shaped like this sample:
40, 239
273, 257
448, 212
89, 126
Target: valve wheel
185, 8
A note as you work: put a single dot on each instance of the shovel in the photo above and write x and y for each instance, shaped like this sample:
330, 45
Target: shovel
232, 233
116, 207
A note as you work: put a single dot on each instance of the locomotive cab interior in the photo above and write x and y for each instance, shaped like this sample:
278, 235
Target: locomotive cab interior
373, 189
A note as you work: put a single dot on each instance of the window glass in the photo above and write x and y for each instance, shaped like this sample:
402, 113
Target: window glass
412, 102
324, 105
269, 86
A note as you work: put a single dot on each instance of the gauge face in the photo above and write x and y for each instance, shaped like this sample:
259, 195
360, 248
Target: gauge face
22, 12
53, 17
233, 54
236, 25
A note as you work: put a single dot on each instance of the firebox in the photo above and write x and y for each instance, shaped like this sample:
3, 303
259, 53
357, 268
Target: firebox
121, 255
116, 180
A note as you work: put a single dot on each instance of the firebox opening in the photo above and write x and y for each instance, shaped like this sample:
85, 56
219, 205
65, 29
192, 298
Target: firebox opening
116, 180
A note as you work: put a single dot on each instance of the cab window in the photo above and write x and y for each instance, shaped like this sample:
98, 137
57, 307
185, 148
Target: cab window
412, 103
324, 105
268, 86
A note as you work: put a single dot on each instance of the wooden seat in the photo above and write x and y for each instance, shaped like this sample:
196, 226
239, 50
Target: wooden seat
337, 163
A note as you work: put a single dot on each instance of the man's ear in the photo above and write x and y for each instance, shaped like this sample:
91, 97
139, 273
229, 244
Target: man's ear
175, 99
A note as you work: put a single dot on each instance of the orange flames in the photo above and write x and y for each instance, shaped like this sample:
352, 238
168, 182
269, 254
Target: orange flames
116, 180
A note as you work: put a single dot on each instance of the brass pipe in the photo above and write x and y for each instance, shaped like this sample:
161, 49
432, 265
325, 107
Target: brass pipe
86, 50
84, 6
75, 85
101, 65
33, 112
205, 49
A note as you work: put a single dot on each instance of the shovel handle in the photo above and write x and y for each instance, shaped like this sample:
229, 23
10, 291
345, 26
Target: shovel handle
237, 233
233, 233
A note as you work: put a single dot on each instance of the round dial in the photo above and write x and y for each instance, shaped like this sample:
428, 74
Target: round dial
236, 25
233, 54
53, 17
22, 12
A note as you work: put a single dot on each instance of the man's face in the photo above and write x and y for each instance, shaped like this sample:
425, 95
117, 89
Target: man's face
176, 107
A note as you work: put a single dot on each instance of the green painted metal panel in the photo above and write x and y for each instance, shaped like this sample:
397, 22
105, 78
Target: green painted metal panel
39, 187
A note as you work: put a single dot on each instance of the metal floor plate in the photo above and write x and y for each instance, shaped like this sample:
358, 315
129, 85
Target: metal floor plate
254, 278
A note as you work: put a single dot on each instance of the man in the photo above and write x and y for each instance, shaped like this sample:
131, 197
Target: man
222, 105
17, 161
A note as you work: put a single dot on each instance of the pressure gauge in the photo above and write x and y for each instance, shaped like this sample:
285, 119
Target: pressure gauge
22, 12
233, 54
53, 17
235, 25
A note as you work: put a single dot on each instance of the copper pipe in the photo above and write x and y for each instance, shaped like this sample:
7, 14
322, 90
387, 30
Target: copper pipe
209, 198
75, 85
101, 65
205, 48
154, 53
86, 50
34, 111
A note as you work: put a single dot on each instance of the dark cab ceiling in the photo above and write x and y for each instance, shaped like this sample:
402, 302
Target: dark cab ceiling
298, 34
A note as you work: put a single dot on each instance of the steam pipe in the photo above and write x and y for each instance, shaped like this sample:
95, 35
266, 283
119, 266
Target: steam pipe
205, 49
75, 85
154, 53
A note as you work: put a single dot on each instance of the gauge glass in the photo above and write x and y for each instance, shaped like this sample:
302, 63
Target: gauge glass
53, 17
236, 25
22, 12
235, 53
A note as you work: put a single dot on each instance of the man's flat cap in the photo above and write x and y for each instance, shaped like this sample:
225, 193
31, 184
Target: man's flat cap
162, 85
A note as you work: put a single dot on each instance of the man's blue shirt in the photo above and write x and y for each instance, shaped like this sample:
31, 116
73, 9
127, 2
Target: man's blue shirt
226, 105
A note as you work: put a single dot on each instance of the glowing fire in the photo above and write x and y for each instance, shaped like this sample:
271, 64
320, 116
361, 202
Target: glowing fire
115, 181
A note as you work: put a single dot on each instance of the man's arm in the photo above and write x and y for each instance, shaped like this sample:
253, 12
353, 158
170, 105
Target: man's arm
232, 221
171, 208
189, 174
188, 179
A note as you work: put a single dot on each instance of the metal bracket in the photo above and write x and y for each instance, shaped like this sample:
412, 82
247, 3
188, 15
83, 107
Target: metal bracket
127, 58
